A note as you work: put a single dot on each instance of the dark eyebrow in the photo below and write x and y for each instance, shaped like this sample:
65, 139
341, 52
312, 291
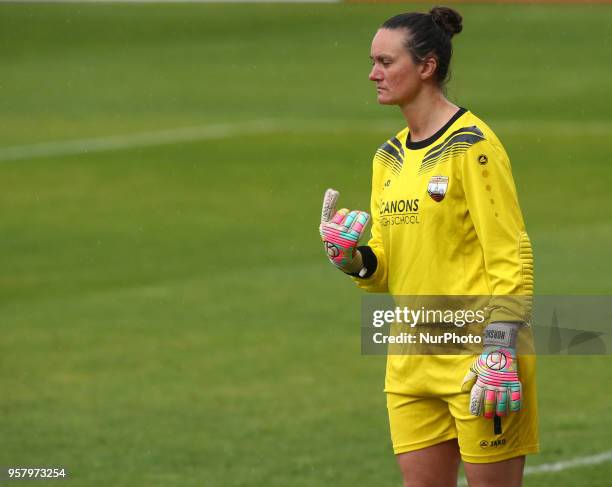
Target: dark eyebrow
381, 56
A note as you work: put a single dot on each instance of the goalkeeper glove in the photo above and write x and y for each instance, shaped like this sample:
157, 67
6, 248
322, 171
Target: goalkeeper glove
496, 387
340, 232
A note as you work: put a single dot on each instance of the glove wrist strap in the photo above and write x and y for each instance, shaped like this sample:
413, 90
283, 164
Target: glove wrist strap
369, 262
501, 334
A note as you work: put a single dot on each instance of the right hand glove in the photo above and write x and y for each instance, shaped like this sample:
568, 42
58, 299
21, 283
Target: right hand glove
341, 231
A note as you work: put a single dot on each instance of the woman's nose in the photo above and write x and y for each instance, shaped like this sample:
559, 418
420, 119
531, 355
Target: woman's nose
375, 74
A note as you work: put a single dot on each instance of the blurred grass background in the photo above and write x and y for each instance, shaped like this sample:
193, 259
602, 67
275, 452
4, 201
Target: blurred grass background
167, 311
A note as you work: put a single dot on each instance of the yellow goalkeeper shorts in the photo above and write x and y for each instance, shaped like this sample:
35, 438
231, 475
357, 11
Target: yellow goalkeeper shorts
426, 407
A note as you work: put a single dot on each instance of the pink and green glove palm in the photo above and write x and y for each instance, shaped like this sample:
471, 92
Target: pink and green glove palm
341, 231
493, 377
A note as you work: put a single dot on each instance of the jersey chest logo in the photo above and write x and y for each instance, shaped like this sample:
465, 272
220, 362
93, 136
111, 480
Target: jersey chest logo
437, 187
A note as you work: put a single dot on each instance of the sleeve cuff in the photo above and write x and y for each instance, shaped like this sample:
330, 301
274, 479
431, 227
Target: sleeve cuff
370, 262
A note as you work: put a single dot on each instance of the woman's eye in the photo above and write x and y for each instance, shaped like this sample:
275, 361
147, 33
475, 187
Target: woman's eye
383, 63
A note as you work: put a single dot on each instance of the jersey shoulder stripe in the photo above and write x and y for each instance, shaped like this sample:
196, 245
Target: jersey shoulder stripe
391, 154
455, 144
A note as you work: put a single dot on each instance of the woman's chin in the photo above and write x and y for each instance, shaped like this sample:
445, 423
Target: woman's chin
384, 99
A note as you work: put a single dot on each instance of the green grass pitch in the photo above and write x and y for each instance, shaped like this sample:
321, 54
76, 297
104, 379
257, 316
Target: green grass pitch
168, 315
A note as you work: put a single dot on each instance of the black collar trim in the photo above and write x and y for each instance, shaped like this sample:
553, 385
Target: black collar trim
430, 140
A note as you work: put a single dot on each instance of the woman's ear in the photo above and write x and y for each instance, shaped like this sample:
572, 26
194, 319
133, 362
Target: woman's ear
428, 67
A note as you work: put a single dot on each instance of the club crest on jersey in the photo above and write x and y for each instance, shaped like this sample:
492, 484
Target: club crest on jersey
437, 187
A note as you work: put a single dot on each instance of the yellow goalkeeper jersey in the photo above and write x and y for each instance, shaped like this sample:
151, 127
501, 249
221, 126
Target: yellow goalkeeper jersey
446, 218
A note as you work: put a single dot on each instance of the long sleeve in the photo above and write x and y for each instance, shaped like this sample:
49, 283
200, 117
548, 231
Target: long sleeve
377, 281
494, 210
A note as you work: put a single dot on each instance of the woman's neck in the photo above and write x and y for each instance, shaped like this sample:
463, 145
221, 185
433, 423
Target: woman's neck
426, 114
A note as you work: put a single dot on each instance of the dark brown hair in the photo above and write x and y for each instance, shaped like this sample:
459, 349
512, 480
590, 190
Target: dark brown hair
429, 34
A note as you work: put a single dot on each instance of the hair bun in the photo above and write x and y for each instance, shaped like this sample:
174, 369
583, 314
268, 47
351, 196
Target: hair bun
447, 19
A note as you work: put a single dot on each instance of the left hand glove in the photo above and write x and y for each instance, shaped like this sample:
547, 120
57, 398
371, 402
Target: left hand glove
497, 388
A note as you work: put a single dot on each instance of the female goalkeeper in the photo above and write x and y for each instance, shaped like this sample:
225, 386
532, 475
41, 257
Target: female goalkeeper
445, 221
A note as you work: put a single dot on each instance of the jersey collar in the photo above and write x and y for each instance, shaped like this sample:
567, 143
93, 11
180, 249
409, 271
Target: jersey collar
430, 140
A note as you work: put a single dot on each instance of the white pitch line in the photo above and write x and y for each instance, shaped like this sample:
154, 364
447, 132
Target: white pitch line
563, 465
185, 134
567, 464
129, 141
268, 126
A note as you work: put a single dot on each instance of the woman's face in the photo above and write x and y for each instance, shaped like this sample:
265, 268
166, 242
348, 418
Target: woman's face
398, 79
